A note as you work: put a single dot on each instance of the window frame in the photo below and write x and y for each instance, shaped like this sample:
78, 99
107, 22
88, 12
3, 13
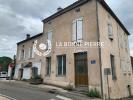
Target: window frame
113, 67
50, 31
76, 30
62, 66
48, 66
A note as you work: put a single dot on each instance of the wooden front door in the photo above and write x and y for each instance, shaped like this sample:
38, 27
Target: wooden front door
81, 69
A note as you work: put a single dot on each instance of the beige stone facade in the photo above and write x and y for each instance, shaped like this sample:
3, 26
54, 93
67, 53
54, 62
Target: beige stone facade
97, 20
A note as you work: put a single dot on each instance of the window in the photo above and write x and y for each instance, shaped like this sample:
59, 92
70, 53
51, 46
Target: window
110, 29
112, 60
77, 28
23, 54
61, 67
32, 52
29, 50
48, 66
123, 66
19, 55
49, 35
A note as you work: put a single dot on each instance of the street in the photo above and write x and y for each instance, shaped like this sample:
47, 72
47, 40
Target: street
20, 92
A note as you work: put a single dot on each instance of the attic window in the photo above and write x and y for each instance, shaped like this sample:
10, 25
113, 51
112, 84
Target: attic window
77, 10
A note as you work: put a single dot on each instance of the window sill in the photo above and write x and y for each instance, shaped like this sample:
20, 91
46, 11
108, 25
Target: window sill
60, 75
47, 76
111, 37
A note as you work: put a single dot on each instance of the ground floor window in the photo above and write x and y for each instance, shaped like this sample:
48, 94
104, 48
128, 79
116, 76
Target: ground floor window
112, 60
48, 66
61, 65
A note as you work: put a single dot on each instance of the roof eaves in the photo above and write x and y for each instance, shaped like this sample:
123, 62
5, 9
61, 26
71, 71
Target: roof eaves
35, 36
105, 5
72, 6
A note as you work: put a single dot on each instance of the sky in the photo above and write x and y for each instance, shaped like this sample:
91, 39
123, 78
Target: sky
21, 17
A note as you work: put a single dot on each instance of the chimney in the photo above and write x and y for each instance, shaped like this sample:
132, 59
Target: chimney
27, 36
59, 9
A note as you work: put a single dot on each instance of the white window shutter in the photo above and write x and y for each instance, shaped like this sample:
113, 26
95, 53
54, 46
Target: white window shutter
19, 55
110, 30
79, 29
50, 35
74, 31
24, 55
29, 53
32, 54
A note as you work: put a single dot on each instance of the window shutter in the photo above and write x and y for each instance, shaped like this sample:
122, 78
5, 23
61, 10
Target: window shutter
79, 29
32, 52
29, 53
19, 55
74, 31
110, 30
64, 65
112, 60
50, 35
24, 56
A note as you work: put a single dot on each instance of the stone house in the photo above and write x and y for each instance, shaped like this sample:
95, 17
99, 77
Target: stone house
76, 56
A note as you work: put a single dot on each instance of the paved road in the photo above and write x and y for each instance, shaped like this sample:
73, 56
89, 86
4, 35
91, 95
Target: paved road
19, 92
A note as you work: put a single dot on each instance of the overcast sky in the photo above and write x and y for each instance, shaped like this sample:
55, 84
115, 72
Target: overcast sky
19, 17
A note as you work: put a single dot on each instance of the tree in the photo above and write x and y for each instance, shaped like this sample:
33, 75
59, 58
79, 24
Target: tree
4, 62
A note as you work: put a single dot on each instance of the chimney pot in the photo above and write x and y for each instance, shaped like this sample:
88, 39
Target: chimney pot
59, 9
27, 36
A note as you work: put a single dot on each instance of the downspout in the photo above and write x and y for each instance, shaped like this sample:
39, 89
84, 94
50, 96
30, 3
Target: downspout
98, 34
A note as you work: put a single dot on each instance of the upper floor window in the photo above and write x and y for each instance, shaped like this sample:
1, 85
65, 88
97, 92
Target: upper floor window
61, 67
31, 52
49, 35
110, 29
23, 54
77, 29
19, 55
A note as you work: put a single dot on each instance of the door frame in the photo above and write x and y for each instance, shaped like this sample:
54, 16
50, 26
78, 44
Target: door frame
75, 69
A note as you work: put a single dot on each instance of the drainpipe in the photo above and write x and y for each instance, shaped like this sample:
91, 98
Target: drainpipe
98, 34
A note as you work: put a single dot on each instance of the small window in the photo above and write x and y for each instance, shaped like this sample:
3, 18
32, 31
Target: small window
48, 66
32, 52
110, 30
19, 55
23, 54
77, 30
61, 67
112, 60
49, 35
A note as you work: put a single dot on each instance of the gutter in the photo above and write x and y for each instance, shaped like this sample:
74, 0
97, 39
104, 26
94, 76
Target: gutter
100, 61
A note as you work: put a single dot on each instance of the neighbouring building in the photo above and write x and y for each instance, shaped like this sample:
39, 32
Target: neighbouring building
26, 59
108, 68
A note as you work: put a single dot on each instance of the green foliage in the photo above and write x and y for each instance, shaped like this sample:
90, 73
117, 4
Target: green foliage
69, 88
4, 62
93, 93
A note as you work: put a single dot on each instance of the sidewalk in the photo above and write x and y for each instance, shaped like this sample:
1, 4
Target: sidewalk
4, 97
52, 89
